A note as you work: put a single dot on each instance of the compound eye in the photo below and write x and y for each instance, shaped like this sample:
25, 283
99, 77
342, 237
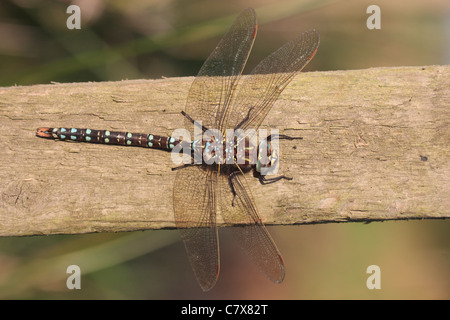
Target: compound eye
274, 158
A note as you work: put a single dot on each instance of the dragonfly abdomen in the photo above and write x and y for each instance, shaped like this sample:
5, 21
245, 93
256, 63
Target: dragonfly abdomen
109, 137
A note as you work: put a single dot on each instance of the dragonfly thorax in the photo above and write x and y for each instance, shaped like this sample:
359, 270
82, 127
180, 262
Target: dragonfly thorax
243, 153
228, 152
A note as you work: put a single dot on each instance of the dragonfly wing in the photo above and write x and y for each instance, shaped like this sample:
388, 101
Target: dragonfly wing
253, 236
195, 216
261, 89
211, 92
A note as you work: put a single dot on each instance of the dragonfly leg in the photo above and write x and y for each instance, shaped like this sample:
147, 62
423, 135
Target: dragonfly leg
263, 180
230, 181
184, 166
245, 119
282, 136
193, 121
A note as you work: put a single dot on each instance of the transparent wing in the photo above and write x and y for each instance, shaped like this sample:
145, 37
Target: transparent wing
259, 91
195, 205
210, 95
252, 236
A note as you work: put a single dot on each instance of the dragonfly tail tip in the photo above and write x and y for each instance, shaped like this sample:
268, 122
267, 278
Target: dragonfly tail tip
44, 132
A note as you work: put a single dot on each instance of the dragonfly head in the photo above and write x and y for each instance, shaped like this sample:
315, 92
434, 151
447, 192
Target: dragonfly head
268, 156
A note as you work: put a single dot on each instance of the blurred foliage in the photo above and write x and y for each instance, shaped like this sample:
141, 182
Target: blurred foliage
172, 38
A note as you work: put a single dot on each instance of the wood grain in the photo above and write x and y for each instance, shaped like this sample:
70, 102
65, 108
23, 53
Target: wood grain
376, 146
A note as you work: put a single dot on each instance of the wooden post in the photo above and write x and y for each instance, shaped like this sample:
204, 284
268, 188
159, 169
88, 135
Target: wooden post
376, 146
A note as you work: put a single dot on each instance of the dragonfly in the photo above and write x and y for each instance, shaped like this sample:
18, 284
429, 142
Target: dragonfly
203, 190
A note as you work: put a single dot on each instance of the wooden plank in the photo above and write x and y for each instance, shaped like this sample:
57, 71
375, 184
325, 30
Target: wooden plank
375, 147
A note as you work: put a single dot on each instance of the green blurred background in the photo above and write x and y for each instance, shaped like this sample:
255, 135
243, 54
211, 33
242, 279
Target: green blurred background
157, 38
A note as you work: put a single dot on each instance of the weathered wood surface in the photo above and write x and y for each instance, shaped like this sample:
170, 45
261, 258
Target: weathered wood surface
376, 146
